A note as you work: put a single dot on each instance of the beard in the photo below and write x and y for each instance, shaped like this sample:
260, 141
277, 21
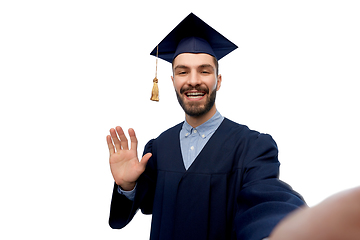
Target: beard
194, 109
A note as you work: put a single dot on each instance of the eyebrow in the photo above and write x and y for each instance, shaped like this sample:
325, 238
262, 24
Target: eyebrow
207, 66
180, 66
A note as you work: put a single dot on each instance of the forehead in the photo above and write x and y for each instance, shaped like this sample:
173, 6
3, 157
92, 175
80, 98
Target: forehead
193, 59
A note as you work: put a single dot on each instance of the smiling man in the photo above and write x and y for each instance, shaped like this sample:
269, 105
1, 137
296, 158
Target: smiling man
207, 177
196, 83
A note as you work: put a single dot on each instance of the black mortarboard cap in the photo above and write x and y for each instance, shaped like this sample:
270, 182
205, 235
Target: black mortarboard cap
193, 35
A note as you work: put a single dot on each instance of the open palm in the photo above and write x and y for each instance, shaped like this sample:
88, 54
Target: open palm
124, 163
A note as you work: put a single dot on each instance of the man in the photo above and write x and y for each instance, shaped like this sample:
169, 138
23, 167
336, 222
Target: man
207, 177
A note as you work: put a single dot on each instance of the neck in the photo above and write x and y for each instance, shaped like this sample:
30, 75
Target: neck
198, 120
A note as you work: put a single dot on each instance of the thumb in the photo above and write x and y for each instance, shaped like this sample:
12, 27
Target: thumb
145, 159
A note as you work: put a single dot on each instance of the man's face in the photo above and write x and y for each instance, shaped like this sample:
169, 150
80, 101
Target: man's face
195, 82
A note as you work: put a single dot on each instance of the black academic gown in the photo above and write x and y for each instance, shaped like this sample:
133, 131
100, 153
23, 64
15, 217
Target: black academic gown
231, 191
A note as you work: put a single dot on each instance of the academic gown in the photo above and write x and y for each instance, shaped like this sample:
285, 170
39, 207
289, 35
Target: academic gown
231, 190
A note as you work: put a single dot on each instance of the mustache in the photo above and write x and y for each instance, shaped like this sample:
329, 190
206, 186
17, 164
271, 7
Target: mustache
197, 88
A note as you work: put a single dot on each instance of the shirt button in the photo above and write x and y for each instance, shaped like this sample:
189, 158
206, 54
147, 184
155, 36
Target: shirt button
192, 148
203, 136
187, 134
195, 131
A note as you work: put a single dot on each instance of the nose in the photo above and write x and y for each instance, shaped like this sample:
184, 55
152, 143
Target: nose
194, 79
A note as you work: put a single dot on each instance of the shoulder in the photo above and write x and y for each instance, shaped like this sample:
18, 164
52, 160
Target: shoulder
246, 142
244, 132
171, 131
168, 135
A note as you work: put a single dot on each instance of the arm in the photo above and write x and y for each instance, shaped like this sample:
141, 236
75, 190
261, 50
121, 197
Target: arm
337, 217
126, 170
263, 200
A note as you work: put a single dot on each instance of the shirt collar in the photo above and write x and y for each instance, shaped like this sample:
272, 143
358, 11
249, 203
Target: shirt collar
206, 128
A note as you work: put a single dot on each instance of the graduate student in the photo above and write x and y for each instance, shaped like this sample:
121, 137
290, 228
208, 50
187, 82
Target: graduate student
207, 177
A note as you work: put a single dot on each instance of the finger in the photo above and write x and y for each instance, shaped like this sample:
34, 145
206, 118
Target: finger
133, 139
110, 145
115, 139
145, 160
123, 139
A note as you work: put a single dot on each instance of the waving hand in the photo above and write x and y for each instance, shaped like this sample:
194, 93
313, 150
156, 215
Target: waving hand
124, 163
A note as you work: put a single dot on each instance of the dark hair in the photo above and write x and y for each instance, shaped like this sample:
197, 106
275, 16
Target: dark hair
216, 66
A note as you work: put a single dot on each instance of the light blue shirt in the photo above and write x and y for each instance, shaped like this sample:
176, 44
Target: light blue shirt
192, 141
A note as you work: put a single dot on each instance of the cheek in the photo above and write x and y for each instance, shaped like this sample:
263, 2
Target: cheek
213, 85
177, 87
177, 84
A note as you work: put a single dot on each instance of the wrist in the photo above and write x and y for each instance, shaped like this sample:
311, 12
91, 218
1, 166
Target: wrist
127, 186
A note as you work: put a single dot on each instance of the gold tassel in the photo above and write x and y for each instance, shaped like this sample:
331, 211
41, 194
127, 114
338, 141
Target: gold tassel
155, 90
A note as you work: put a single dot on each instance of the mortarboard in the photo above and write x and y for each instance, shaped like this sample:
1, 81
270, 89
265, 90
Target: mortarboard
191, 35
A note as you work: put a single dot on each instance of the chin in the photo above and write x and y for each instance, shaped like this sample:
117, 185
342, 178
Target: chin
194, 108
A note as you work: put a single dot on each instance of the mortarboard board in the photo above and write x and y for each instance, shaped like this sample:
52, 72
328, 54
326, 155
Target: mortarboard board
191, 35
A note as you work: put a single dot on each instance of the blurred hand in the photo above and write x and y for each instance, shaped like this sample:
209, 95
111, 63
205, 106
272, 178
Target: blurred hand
336, 218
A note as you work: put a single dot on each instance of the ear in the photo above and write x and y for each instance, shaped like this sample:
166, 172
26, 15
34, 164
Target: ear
219, 80
172, 79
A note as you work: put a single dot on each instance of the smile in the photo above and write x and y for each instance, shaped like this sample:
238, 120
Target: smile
195, 95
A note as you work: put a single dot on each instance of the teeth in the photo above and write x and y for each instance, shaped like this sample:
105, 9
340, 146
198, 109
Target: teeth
194, 94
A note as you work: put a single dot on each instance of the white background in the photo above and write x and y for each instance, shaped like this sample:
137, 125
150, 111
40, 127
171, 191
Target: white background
71, 70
